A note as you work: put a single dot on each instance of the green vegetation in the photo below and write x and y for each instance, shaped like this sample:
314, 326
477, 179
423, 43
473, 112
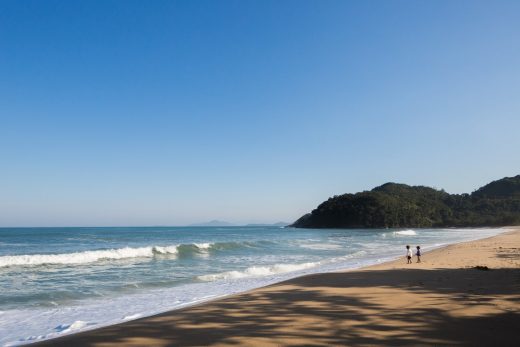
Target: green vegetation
395, 205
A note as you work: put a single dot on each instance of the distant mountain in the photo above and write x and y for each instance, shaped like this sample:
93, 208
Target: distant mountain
396, 205
213, 223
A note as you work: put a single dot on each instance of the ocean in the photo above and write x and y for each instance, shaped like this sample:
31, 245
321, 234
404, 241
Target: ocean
55, 281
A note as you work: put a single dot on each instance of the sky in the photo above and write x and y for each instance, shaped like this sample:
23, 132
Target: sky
177, 112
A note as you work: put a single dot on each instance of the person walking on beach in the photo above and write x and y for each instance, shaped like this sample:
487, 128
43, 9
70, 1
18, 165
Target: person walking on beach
408, 254
418, 254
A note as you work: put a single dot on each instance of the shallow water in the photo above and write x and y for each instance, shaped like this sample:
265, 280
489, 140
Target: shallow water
60, 280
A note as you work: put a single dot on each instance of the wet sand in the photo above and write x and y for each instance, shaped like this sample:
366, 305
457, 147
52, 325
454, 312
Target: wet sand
444, 300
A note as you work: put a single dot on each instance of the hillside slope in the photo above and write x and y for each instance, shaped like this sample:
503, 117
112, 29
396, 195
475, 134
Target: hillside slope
396, 205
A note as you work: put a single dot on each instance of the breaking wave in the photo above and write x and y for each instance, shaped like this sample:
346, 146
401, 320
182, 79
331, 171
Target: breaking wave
258, 271
86, 257
408, 232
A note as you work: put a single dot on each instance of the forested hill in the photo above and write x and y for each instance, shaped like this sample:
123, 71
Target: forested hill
395, 205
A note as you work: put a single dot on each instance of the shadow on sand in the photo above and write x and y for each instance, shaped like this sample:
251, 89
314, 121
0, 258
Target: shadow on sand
317, 310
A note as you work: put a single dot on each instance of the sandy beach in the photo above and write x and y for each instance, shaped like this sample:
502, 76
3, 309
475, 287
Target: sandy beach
444, 300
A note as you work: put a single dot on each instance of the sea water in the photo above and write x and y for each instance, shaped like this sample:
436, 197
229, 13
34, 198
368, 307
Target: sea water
55, 281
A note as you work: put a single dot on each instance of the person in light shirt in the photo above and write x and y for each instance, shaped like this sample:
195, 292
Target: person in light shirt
408, 254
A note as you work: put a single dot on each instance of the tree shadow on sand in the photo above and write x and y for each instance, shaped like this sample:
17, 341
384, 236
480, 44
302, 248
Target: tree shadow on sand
305, 311
511, 253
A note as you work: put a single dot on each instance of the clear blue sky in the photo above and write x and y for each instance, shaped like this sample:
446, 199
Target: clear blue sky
173, 112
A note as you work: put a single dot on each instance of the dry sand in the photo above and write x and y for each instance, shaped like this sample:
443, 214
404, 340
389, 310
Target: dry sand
444, 300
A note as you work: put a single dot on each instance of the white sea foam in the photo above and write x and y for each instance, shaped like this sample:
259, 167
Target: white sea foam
67, 328
258, 271
85, 257
132, 316
408, 232
203, 246
166, 249
57, 331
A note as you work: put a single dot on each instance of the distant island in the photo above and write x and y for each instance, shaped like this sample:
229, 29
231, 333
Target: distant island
394, 205
213, 223
219, 223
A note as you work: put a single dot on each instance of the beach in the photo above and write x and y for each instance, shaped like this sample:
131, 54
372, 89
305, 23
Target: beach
463, 294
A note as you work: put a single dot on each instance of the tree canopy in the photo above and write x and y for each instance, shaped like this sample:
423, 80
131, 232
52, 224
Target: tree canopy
396, 205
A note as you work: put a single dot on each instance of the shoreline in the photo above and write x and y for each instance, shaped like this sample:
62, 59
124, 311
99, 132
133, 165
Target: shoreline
101, 335
90, 315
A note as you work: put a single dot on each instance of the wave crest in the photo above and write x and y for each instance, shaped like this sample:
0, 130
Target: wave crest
258, 271
408, 232
86, 257
77, 257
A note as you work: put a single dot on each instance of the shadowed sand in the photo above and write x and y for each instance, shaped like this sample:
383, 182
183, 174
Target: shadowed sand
444, 300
